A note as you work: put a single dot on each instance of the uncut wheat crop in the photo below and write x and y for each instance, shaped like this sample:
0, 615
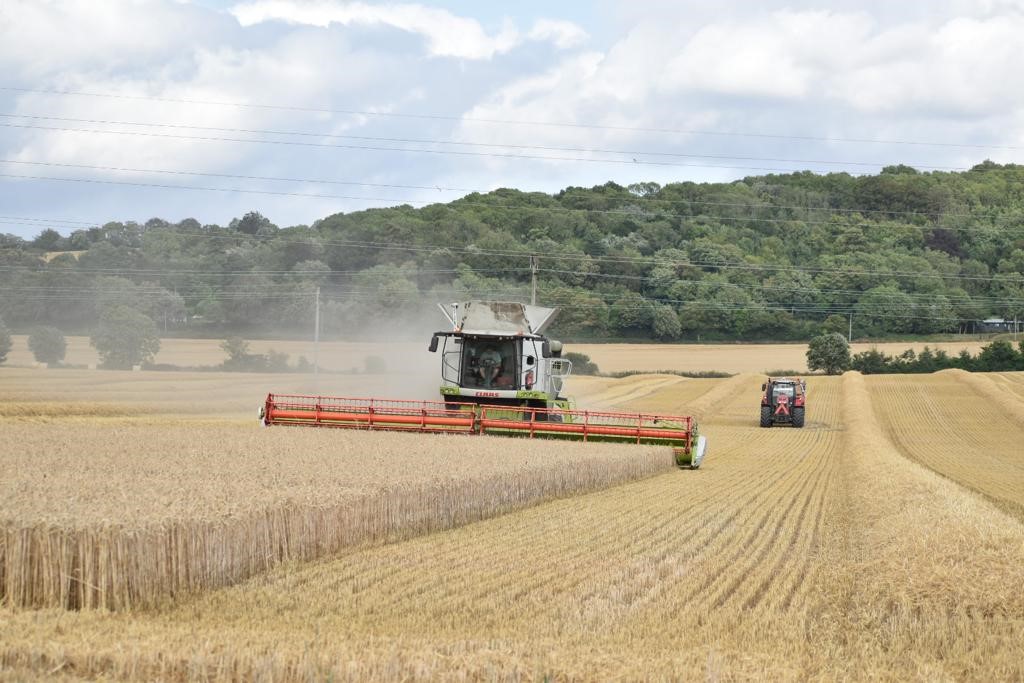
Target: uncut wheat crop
128, 515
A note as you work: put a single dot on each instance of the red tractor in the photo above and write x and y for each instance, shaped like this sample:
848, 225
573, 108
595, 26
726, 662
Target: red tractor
782, 401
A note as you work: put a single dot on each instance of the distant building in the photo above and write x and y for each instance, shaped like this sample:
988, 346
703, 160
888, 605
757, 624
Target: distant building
995, 325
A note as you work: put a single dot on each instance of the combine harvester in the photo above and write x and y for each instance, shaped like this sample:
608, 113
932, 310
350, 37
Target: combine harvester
500, 376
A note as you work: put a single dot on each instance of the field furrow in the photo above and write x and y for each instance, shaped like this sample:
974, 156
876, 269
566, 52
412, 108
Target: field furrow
947, 425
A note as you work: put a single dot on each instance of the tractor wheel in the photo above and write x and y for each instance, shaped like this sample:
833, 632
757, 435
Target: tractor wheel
766, 416
798, 417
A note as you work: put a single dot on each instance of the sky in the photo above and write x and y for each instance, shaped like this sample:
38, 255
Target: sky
134, 109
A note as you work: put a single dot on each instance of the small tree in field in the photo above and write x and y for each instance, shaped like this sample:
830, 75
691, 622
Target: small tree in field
829, 352
47, 344
237, 349
125, 337
5, 341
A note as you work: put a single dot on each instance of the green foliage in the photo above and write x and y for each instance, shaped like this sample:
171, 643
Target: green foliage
665, 323
581, 363
236, 348
5, 341
998, 356
828, 352
47, 344
835, 324
240, 360
871, 362
776, 257
124, 338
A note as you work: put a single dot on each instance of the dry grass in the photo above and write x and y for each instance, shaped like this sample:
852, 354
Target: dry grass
822, 553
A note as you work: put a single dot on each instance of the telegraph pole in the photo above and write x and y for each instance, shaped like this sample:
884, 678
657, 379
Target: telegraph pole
316, 334
849, 336
533, 280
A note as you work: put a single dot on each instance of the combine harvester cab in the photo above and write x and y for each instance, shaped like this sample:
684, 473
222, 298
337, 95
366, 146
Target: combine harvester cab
783, 401
501, 377
496, 354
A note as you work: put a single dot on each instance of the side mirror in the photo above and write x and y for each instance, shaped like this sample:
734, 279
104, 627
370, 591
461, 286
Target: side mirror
530, 360
433, 344
763, 385
545, 349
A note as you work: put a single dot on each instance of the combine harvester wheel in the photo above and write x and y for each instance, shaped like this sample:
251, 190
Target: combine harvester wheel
436, 417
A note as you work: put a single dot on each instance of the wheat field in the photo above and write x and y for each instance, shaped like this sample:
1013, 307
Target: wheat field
130, 516
884, 540
412, 356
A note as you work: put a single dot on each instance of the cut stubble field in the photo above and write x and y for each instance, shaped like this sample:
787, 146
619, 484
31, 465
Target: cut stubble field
884, 540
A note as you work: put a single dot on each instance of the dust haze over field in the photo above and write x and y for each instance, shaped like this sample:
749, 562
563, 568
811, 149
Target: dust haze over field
884, 540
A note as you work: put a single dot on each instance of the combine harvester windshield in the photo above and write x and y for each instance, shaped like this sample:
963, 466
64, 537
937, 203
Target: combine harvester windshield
438, 417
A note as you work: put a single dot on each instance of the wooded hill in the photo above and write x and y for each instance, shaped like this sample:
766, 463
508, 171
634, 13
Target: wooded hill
778, 257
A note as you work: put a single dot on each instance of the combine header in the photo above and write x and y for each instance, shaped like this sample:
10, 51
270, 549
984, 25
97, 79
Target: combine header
478, 419
499, 376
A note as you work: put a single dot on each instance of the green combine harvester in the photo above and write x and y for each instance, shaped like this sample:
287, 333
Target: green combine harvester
500, 376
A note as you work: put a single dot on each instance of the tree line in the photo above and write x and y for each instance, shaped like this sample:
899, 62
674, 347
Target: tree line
773, 257
830, 353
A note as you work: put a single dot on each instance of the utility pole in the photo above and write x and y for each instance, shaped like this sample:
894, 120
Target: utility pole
533, 280
849, 336
316, 334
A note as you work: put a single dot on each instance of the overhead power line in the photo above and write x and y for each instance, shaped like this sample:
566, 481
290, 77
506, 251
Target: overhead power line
817, 311
377, 148
277, 288
631, 153
568, 257
498, 121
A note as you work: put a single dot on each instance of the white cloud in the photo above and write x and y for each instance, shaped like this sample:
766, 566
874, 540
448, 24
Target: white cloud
447, 35
948, 73
783, 55
563, 34
963, 67
38, 38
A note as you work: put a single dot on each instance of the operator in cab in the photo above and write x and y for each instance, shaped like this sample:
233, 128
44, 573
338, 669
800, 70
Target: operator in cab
488, 365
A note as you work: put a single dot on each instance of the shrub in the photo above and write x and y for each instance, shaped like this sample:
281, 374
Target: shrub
829, 352
581, 364
125, 338
240, 360
47, 344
